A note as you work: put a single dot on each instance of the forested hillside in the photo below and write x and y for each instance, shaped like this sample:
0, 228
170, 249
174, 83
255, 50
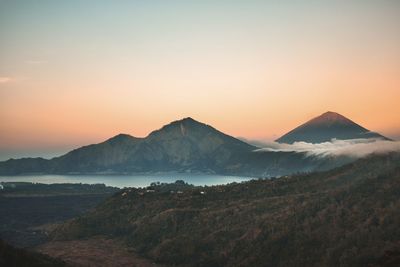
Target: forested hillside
345, 217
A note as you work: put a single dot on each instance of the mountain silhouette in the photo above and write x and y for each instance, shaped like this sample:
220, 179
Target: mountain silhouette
326, 127
181, 146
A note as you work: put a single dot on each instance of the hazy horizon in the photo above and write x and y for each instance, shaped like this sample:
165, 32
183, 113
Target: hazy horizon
74, 73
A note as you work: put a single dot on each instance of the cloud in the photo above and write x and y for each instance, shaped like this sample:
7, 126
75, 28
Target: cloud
356, 148
5, 80
36, 62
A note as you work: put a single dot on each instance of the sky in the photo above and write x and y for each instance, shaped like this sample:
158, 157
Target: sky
78, 72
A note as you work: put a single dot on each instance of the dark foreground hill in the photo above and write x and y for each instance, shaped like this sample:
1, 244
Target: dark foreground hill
15, 257
181, 146
348, 216
326, 127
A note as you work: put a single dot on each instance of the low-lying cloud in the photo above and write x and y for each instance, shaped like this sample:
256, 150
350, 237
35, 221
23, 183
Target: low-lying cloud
354, 148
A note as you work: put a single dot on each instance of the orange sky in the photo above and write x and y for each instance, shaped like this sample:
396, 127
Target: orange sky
255, 70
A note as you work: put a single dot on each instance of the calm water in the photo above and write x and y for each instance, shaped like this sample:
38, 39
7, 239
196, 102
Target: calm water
138, 180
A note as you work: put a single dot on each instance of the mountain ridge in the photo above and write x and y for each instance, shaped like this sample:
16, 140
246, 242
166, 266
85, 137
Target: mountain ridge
184, 145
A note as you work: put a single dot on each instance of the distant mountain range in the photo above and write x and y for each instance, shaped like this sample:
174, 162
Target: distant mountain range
189, 146
326, 127
183, 145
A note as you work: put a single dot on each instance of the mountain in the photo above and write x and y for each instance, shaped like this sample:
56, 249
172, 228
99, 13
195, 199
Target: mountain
348, 216
326, 127
112, 152
182, 146
190, 143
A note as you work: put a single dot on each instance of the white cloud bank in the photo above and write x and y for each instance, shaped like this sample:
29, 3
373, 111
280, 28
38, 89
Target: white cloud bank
354, 148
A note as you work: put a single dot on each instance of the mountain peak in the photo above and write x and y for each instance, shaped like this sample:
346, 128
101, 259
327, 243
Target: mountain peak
187, 120
181, 128
329, 125
186, 123
121, 138
330, 117
188, 132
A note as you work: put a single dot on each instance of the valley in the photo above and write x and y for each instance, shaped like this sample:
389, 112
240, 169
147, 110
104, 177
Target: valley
302, 220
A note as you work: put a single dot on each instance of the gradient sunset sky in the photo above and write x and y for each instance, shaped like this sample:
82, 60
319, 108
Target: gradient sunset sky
78, 72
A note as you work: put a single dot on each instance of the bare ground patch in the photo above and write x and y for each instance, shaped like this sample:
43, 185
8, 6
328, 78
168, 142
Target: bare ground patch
95, 252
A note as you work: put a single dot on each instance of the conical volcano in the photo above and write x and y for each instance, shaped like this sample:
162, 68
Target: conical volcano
328, 126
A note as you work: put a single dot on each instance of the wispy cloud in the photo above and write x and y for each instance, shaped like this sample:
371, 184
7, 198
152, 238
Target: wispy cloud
5, 79
354, 148
36, 62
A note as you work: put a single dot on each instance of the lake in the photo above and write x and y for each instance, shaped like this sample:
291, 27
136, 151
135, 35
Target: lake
135, 180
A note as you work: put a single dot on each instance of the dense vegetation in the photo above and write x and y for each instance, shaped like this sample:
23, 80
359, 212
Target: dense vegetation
26, 207
345, 217
28, 189
14, 257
